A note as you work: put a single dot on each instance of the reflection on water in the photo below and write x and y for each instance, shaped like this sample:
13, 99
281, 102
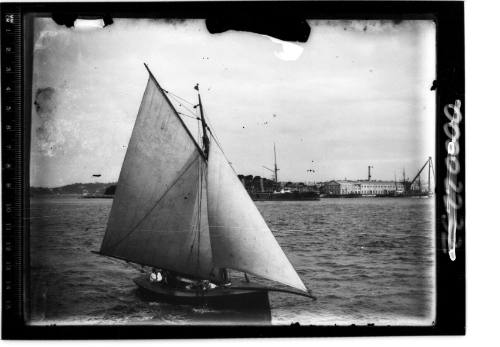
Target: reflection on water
368, 260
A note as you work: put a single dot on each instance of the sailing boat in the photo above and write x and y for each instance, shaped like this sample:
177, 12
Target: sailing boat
181, 208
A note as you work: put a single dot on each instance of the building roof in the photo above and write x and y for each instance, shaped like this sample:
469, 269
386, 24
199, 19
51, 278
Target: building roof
376, 182
361, 182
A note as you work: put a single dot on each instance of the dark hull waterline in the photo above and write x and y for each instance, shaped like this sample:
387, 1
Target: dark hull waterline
219, 297
289, 196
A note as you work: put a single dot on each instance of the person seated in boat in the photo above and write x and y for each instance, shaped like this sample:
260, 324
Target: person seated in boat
156, 275
152, 277
159, 276
202, 285
207, 285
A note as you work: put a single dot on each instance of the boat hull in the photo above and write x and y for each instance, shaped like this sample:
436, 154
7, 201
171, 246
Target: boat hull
219, 297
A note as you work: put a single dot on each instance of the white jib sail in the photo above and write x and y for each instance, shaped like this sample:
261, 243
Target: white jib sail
240, 237
159, 213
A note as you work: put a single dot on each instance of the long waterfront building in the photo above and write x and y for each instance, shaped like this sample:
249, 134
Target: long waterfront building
347, 187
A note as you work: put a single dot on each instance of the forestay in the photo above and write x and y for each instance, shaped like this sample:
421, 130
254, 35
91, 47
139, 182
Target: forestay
159, 213
240, 237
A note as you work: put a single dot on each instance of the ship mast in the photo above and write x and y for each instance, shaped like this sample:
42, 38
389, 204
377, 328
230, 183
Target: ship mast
223, 273
275, 171
206, 141
404, 181
275, 166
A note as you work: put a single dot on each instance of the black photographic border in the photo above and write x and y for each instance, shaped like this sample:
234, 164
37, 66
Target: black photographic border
16, 125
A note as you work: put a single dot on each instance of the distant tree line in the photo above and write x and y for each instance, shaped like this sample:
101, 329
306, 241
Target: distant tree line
256, 184
110, 190
75, 189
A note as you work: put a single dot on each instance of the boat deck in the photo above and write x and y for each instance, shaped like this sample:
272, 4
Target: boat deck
240, 294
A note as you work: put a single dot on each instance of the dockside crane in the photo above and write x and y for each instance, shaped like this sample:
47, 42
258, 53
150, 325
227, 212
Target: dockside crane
430, 167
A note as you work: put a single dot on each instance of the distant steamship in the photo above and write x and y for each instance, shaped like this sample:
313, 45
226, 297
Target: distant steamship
262, 189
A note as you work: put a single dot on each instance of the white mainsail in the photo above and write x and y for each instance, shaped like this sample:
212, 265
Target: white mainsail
174, 211
159, 212
240, 237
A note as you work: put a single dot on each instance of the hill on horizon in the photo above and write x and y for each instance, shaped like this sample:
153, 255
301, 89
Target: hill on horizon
73, 189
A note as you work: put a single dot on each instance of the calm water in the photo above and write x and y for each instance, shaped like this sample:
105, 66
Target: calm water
368, 260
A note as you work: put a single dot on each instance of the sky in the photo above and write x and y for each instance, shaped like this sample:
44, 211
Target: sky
357, 93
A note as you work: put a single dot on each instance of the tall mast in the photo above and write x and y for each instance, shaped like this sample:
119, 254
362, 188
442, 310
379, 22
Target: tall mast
206, 141
206, 144
275, 165
404, 180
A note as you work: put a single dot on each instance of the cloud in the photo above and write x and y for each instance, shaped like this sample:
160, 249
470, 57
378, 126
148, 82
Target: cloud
350, 93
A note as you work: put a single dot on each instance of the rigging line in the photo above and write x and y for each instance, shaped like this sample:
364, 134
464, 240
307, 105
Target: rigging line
187, 108
155, 204
179, 100
183, 114
187, 102
215, 137
199, 132
209, 128
223, 153
197, 223
433, 174
200, 197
